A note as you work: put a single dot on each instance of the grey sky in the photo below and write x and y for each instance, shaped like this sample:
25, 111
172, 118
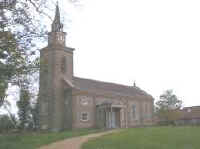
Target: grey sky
153, 42
156, 43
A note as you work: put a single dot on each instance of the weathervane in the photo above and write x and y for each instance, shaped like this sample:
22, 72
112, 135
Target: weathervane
134, 84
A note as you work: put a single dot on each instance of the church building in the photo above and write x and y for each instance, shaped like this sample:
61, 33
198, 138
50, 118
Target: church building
69, 102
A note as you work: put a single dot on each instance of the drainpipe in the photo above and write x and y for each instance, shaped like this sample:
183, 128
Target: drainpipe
111, 116
126, 113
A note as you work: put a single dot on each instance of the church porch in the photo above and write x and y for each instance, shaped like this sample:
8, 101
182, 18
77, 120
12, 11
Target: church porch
110, 116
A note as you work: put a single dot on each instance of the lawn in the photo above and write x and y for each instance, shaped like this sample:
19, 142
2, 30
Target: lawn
149, 138
35, 140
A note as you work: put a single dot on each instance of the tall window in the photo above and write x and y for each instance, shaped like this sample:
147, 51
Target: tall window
44, 108
146, 108
66, 97
134, 111
63, 65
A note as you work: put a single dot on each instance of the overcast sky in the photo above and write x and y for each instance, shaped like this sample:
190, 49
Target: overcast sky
154, 42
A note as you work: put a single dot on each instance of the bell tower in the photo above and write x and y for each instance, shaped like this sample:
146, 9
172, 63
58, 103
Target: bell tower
56, 80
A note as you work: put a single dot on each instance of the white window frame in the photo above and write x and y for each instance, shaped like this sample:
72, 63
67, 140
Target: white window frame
81, 116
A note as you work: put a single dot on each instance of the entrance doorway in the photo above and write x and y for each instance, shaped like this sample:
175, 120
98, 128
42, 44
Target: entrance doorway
112, 119
110, 115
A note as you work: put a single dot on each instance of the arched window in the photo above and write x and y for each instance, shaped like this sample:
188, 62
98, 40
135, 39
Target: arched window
146, 108
63, 65
134, 111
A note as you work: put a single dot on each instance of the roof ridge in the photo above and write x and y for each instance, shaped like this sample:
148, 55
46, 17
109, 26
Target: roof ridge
102, 86
122, 85
106, 82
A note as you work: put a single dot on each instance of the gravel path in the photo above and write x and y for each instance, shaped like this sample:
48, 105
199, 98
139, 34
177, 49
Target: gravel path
76, 142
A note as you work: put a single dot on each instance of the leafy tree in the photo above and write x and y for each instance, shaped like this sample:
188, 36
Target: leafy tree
6, 123
13, 118
35, 116
168, 106
18, 30
24, 106
12, 62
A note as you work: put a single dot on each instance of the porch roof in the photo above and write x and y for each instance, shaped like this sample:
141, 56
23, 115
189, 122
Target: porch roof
110, 105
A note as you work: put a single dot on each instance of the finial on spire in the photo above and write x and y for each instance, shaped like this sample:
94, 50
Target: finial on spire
57, 15
134, 84
57, 26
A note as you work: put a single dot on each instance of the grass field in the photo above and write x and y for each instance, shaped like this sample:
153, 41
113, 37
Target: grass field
149, 138
35, 140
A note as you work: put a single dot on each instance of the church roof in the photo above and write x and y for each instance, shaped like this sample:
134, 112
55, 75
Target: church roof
100, 87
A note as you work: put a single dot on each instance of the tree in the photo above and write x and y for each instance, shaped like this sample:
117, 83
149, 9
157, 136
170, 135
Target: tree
167, 108
13, 118
18, 30
24, 106
12, 62
6, 123
35, 116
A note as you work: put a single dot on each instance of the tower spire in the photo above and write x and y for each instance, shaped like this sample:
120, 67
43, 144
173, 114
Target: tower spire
57, 26
57, 36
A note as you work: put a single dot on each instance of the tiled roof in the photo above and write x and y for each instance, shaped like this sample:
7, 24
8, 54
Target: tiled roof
100, 87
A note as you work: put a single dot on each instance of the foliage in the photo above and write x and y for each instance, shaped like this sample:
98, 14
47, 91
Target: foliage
6, 123
24, 109
12, 117
167, 108
168, 100
35, 140
12, 62
35, 116
18, 30
149, 138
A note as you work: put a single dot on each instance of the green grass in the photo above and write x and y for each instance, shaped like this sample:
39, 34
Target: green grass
149, 138
35, 140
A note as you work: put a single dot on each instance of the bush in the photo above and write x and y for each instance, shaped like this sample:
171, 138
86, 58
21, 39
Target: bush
6, 123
